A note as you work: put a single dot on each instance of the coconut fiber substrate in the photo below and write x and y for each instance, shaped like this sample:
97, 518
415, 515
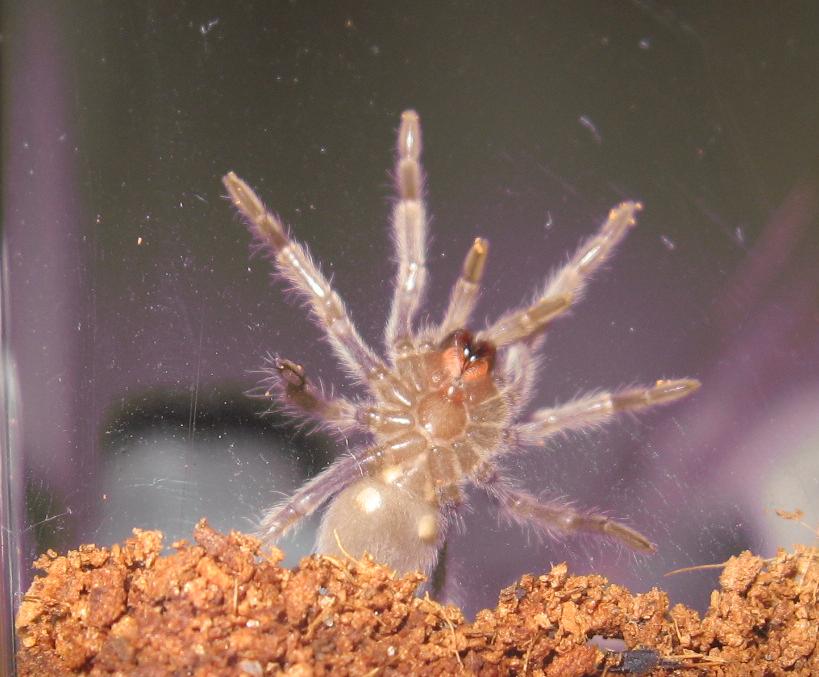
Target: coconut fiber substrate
223, 605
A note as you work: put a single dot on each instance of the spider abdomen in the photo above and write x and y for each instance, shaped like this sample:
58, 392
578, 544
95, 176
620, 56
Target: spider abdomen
392, 523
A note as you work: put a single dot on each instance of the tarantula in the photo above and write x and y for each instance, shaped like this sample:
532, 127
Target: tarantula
446, 403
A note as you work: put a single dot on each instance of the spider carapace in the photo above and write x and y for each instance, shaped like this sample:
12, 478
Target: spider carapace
444, 405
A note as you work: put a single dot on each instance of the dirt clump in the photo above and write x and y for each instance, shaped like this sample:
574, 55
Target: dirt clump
224, 606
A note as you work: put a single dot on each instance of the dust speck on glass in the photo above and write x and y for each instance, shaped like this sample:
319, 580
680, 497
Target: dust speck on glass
444, 402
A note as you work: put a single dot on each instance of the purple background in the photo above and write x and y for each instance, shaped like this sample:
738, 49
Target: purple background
132, 315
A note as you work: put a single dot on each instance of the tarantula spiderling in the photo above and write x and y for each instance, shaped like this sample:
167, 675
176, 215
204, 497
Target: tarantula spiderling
446, 403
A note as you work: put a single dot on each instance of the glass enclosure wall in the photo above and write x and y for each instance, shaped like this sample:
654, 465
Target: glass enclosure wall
134, 315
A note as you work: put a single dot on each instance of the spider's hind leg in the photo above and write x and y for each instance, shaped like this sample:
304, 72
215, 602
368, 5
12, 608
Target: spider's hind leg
550, 517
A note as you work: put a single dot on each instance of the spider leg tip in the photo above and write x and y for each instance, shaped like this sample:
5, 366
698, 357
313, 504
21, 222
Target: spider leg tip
671, 390
232, 182
409, 136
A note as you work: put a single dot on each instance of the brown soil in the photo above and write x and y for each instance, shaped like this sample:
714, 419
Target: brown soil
225, 607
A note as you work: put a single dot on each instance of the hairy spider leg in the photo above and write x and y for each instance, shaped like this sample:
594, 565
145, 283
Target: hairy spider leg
519, 372
409, 229
590, 410
549, 517
567, 285
596, 409
294, 263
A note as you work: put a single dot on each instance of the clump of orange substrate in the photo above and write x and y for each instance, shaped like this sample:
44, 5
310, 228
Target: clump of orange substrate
224, 606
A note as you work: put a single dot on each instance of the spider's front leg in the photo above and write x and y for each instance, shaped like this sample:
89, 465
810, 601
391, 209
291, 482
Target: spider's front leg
549, 517
409, 225
567, 285
295, 264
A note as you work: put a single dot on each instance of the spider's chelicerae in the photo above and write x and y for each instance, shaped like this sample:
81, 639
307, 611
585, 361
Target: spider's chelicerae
445, 403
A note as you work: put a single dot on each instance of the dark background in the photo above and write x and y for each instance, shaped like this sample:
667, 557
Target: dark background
133, 315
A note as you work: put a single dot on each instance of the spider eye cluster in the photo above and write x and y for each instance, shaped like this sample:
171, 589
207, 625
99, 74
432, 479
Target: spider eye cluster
465, 357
